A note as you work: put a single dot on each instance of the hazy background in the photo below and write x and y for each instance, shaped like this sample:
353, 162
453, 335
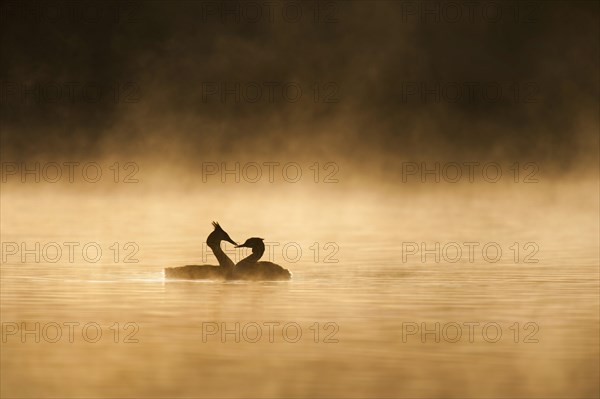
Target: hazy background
122, 86
159, 54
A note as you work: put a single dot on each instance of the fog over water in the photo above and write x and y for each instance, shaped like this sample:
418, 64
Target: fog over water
430, 179
361, 83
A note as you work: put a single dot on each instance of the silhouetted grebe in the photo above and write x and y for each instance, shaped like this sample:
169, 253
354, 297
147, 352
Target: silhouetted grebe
207, 272
250, 268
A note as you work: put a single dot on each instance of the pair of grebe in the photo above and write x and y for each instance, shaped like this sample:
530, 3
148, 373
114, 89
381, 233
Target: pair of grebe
248, 268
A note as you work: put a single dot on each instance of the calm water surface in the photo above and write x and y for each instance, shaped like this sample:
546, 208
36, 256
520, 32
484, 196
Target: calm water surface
364, 305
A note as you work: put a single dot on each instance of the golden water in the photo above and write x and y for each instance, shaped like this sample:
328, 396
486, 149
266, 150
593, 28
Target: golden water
369, 297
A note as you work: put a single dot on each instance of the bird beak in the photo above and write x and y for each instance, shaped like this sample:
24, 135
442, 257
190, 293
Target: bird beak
228, 239
240, 246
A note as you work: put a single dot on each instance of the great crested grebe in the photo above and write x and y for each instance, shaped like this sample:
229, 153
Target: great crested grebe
207, 272
250, 268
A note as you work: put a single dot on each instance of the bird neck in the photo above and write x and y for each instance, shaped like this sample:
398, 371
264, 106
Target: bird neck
257, 253
221, 256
